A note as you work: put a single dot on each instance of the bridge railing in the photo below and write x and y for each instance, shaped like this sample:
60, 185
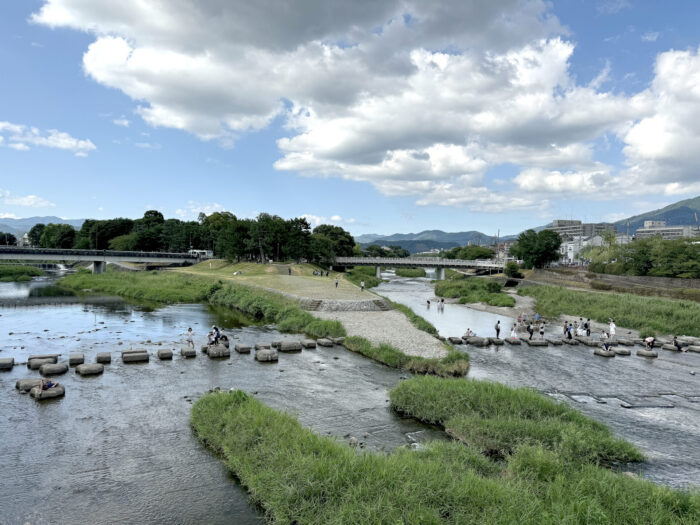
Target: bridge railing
93, 253
420, 261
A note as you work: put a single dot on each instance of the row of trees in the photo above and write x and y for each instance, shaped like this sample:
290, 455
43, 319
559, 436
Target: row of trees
7, 239
469, 253
653, 256
265, 237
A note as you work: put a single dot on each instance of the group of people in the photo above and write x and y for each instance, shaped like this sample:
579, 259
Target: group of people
317, 273
530, 328
440, 304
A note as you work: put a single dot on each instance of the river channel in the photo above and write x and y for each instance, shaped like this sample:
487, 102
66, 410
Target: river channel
665, 423
118, 447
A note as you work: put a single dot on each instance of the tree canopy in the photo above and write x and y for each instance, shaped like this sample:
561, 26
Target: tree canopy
537, 249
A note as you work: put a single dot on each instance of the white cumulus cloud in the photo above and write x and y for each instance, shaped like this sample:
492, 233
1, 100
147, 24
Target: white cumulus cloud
22, 138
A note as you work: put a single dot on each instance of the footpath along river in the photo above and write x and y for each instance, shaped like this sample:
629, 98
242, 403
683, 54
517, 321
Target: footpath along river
666, 423
118, 447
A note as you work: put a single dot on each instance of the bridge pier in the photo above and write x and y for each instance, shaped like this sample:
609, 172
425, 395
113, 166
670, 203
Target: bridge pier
440, 274
379, 272
99, 267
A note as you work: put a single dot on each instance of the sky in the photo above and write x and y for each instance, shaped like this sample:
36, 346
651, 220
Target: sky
377, 116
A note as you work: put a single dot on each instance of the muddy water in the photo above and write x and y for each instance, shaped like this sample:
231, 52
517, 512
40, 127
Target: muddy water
118, 447
664, 421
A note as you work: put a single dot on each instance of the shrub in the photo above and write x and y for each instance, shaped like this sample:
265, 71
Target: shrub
512, 270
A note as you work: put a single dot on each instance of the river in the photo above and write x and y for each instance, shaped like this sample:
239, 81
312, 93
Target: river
118, 447
665, 424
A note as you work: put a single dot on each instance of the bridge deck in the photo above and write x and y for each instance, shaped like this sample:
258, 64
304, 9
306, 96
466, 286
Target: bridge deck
426, 262
46, 254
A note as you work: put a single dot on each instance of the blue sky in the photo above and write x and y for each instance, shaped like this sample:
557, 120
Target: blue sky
379, 117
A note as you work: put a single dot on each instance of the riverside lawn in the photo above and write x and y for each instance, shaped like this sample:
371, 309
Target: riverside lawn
649, 315
555, 476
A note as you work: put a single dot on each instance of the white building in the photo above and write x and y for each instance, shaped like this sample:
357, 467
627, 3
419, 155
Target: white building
653, 228
570, 250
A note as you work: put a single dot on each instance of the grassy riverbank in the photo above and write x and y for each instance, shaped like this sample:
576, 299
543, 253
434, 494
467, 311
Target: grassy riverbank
297, 476
363, 273
410, 272
474, 290
649, 315
176, 287
416, 320
18, 273
454, 364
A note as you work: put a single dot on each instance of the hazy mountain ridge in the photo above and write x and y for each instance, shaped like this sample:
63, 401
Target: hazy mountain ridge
19, 227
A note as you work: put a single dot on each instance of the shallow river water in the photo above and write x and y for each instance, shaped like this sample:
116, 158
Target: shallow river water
118, 447
665, 423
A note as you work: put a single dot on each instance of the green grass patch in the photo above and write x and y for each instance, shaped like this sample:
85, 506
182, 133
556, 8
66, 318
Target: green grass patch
416, 320
410, 272
455, 364
363, 273
19, 273
297, 476
648, 314
474, 290
497, 419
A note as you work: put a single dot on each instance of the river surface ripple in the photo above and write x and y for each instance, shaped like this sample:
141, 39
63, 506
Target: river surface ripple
666, 426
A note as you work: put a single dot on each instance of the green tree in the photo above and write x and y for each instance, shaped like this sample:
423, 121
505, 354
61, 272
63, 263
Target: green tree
321, 249
296, 243
343, 242
35, 233
7, 238
512, 270
57, 236
537, 249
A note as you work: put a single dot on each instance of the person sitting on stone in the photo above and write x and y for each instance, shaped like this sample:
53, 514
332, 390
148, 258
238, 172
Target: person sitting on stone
210, 338
606, 346
47, 383
677, 344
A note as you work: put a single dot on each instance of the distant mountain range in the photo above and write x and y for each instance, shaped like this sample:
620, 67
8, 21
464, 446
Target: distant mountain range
19, 227
680, 213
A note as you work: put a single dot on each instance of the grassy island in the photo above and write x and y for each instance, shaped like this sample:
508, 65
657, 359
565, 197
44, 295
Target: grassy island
474, 290
297, 476
18, 273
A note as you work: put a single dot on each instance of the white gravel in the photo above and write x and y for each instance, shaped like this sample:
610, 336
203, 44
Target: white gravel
391, 327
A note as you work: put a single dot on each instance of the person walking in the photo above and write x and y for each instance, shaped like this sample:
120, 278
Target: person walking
611, 331
189, 335
362, 286
587, 326
542, 330
336, 282
289, 270
498, 328
569, 330
514, 331
530, 330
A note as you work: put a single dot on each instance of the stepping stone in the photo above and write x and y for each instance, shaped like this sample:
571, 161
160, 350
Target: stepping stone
621, 351
204, 349
216, 352
290, 346
534, 342
53, 357
266, 355
165, 354
477, 341
135, 356
51, 369
694, 348
604, 353
7, 363
496, 341
672, 348
572, 342
276, 344
104, 358
624, 342
309, 343
261, 346
337, 340
647, 353
35, 364
455, 340
25, 385
324, 342
188, 352
242, 349
512, 341
91, 369
76, 359
554, 341
56, 391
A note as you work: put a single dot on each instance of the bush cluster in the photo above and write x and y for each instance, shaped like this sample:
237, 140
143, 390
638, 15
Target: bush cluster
474, 290
18, 273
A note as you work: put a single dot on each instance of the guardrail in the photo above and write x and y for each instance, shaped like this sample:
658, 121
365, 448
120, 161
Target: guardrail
94, 253
430, 262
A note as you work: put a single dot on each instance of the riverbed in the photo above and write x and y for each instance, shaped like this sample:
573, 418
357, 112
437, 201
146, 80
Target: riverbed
118, 447
665, 423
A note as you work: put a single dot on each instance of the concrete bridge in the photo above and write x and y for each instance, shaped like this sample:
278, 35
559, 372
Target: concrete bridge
98, 258
422, 262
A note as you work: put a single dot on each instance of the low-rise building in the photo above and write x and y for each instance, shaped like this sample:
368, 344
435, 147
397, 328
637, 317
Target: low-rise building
654, 228
571, 229
571, 249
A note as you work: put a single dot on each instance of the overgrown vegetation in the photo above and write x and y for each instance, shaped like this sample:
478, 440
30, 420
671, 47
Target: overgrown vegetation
171, 287
417, 321
15, 272
512, 270
297, 476
537, 249
474, 290
363, 273
410, 272
453, 364
650, 315
652, 256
